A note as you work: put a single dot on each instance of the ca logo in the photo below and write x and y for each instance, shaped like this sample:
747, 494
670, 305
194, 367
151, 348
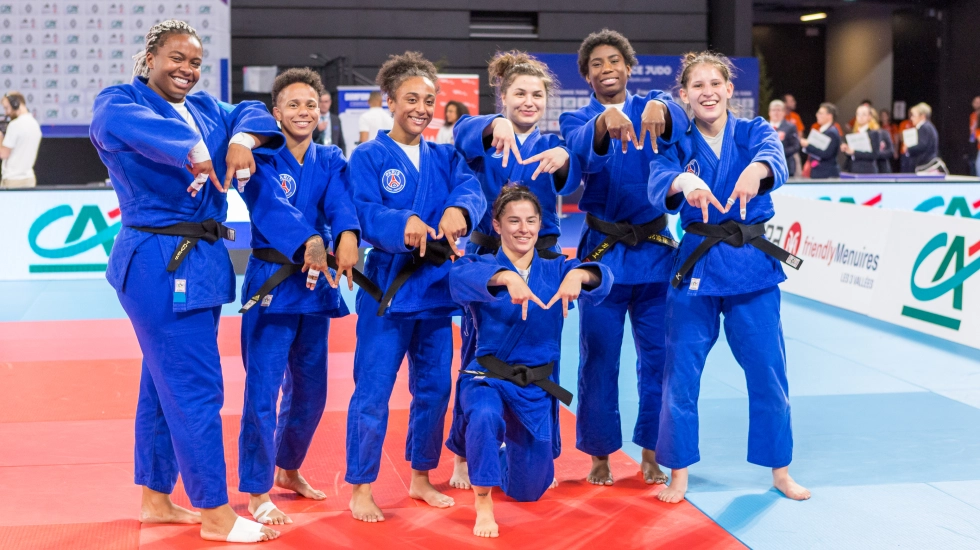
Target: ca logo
955, 260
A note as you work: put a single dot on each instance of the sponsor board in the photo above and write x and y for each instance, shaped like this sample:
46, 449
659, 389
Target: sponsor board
956, 196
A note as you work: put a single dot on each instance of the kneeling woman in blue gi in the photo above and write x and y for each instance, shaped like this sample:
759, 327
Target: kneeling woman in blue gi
285, 325
508, 147
725, 266
405, 187
170, 267
507, 394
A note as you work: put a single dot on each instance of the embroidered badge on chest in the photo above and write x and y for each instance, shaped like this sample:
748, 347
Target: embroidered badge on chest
288, 184
393, 180
693, 168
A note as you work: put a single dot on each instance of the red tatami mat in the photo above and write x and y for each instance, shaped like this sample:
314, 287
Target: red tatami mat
67, 398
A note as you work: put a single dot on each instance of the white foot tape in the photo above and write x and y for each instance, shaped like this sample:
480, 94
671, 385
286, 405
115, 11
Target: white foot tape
246, 530
261, 513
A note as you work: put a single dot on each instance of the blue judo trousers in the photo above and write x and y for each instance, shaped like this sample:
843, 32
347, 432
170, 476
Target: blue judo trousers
490, 411
738, 282
616, 191
388, 190
284, 337
145, 144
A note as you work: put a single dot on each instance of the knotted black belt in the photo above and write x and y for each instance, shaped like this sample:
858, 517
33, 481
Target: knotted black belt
626, 233
289, 268
436, 252
734, 234
522, 375
543, 246
209, 230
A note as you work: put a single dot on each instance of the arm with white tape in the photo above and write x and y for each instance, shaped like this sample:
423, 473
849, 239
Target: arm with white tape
696, 192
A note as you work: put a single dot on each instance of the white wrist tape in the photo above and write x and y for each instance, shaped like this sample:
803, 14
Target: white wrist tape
199, 153
241, 138
689, 183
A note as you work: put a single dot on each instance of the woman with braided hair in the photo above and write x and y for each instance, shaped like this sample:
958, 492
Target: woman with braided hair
170, 267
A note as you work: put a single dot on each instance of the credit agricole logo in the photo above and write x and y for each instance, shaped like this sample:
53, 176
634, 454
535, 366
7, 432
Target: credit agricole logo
954, 270
74, 245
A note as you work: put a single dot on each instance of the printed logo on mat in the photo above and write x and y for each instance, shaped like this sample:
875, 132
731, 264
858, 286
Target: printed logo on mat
288, 184
393, 181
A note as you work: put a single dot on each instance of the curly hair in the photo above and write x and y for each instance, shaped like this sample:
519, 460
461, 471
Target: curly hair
156, 37
303, 75
400, 68
506, 66
514, 193
605, 37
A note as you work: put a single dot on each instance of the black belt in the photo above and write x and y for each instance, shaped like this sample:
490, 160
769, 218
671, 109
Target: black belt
436, 252
626, 233
288, 268
209, 230
523, 376
543, 246
734, 234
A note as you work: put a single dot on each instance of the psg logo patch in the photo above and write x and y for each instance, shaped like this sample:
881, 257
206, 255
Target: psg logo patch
288, 184
393, 180
693, 168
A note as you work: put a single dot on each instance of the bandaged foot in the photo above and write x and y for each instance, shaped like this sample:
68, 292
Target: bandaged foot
265, 512
422, 489
157, 507
222, 524
486, 525
461, 473
600, 473
362, 505
292, 480
782, 481
675, 492
652, 474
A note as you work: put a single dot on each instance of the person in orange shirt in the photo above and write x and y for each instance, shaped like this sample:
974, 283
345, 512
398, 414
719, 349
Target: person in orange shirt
904, 125
975, 132
791, 115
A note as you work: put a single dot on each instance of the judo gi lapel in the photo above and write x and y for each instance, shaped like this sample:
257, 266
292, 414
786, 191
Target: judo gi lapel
722, 179
518, 325
517, 170
164, 107
309, 182
412, 175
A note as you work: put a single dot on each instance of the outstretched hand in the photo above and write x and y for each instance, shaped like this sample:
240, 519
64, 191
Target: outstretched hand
505, 140
551, 161
519, 292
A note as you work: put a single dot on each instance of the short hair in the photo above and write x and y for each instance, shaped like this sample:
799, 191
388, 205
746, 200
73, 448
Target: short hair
298, 75
375, 95
777, 103
326, 92
867, 102
514, 193
923, 109
605, 37
156, 37
400, 68
17, 97
830, 108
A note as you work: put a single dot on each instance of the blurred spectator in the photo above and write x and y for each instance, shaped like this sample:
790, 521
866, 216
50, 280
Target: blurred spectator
454, 110
374, 119
850, 125
328, 130
787, 132
18, 144
975, 134
887, 141
864, 162
791, 114
927, 148
823, 162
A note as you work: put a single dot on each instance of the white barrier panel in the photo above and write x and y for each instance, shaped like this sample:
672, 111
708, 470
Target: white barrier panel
908, 268
65, 234
953, 197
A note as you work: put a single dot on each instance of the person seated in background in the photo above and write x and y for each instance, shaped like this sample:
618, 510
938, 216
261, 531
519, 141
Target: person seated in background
454, 110
887, 149
376, 118
823, 162
787, 132
864, 161
19, 143
926, 147
328, 130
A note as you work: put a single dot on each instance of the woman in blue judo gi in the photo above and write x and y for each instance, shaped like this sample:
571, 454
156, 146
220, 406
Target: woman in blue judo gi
285, 325
509, 148
406, 190
508, 393
170, 267
627, 232
725, 266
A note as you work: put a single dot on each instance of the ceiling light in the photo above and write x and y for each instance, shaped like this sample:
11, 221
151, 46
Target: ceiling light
813, 16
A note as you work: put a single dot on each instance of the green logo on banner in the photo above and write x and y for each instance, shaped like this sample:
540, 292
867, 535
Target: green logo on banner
104, 236
955, 260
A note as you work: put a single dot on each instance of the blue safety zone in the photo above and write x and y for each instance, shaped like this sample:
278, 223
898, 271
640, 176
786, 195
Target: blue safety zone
886, 425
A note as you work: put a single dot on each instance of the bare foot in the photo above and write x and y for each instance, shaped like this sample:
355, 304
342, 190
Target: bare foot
782, 481
600, 474
486, 525
157, 507
362, 504
292, 480
674, 492
461, 473
652, 474
217, 524
422, 489
554, 484
270, 515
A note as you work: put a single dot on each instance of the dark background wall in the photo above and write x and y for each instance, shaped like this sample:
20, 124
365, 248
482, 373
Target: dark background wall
958, 80
796, 60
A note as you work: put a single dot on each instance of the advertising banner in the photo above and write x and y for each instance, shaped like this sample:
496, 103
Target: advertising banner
952, 197
60, 54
